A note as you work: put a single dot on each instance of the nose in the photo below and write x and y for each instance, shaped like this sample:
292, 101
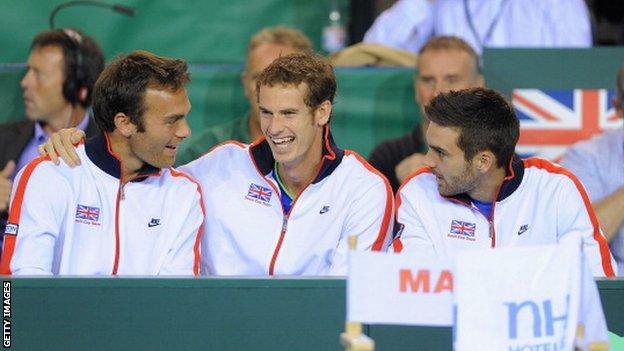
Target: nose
276, 125
429, 159
25, 82
184, 130
440, 88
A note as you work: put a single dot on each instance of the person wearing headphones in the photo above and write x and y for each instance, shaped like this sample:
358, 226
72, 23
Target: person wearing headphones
62, 68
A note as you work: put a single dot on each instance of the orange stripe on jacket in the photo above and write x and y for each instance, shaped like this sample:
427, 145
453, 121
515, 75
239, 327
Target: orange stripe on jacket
15, 213
377, 245
397, 244
200, 231
605, 254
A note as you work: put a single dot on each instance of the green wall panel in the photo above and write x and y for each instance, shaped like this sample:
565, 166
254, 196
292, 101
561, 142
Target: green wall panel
211, 314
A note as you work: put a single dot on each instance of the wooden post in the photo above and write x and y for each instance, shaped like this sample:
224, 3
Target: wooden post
353, 339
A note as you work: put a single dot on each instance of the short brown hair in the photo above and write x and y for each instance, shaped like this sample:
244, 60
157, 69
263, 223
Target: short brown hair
445, 42
485, 120
295, 69
121, 86
281, 35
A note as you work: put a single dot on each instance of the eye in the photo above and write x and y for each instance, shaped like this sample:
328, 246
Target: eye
453, 80
426, 80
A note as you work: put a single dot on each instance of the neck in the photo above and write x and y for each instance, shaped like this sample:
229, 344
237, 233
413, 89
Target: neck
255, 131
130, 163
487, 189
69, 117
296, 178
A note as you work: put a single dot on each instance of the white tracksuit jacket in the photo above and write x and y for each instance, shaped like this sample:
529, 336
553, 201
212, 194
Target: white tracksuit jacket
538, 203
248, 233
83, 221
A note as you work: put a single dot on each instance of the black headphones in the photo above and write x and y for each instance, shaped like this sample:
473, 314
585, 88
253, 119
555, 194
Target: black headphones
74, 79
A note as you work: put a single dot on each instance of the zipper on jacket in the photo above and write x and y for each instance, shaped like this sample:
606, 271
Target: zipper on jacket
284, 223
286, 215
120, 196
279, 242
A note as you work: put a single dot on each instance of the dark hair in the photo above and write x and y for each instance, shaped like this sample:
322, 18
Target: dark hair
83, 61
486, 121
295, 69
121, 86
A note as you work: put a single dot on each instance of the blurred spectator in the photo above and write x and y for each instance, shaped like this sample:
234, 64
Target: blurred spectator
599, 164
444, 64
62, 68
408, 24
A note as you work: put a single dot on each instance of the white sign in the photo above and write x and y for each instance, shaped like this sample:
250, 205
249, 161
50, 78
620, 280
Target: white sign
388, 288
526, 298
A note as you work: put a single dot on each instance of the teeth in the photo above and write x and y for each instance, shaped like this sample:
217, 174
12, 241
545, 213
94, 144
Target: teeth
278, 141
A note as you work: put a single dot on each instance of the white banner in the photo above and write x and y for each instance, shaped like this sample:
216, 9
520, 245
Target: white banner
526, 298
387, 288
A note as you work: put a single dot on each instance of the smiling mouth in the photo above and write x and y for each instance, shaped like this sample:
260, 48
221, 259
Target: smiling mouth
283, 142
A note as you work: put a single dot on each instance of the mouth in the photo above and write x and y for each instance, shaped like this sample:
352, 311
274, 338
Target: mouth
283, 142
173, 149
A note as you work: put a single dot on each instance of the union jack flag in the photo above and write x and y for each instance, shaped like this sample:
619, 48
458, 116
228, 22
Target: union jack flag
259, 192
552, 120
88, 213
463, 228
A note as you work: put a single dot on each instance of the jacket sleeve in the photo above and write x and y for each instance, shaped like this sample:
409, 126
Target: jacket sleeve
183, 257
37, 211
576, 217
411, 235
370, 219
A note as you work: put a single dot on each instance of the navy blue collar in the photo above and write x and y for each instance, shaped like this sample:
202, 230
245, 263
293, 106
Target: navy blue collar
99, 152
262, 156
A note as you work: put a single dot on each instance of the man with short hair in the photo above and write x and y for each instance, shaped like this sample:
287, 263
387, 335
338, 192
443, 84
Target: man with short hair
444, 64
287, 203
62, 67
599, 164
474, 193
124, 212
263, 48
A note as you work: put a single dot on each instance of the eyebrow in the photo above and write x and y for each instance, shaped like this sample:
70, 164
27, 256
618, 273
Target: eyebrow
175, 117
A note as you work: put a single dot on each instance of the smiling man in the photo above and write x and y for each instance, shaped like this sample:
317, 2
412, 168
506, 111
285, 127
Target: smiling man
124, 212
474, 193
286, 204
